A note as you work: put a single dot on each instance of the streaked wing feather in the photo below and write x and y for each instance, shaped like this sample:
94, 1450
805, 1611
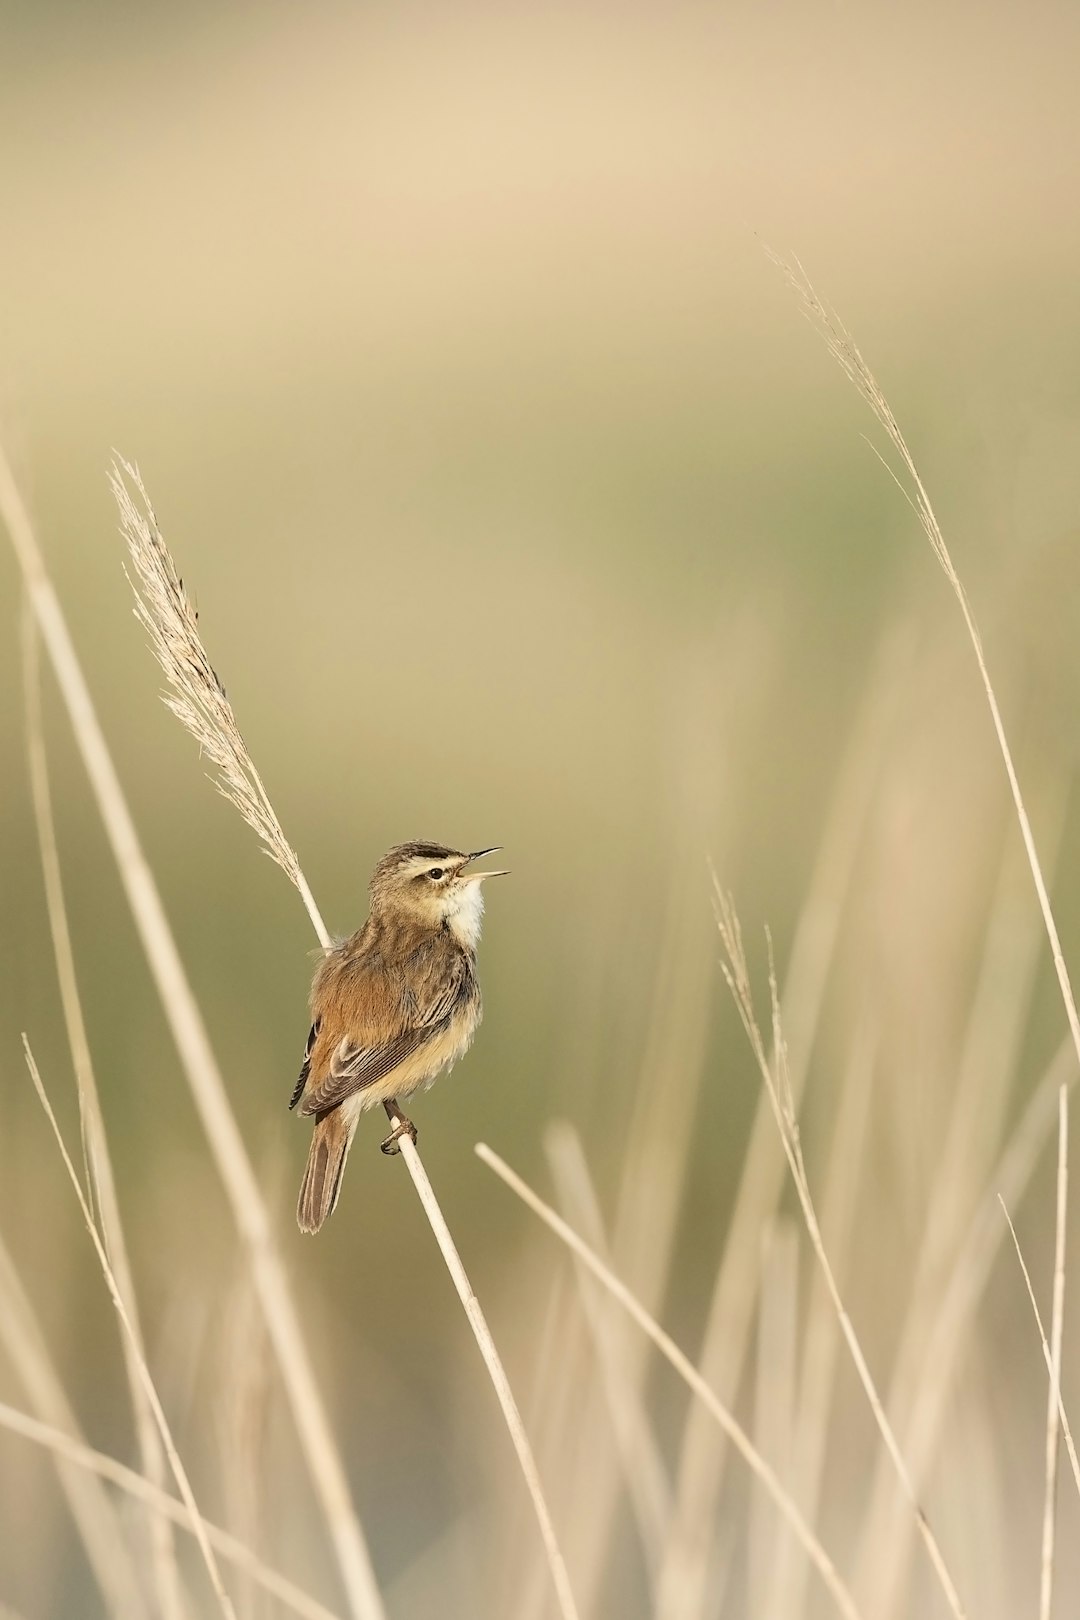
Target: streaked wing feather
305, 1067
354, 1068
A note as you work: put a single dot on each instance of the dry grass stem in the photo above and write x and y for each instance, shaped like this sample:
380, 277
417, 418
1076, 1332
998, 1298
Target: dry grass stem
821, 1338
921, 1377
844, 350
775, 1077
95, 1141
140, 1489
497, 1373
644, 1475
948, 1332
687, 1371
179, 1471
769, 1546
1047, 1353
198, 699
667, 1080
1057, 1327
94, 1514
200, 1068
699, 1476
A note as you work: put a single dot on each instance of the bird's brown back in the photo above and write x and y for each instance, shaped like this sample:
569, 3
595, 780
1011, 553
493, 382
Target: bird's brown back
392, 976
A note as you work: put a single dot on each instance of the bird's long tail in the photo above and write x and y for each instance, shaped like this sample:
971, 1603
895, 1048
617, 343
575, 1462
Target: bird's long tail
326, 1161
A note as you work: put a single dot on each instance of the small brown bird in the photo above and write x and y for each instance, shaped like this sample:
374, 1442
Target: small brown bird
391, 1007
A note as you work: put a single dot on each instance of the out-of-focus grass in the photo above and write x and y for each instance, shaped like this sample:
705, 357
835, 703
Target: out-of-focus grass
521, 509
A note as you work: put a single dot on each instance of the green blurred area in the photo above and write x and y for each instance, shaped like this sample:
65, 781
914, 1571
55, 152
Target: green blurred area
520, 507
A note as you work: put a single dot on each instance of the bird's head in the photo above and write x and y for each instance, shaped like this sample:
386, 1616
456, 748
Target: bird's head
430, 885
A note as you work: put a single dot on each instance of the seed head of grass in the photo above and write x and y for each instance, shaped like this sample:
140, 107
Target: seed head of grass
196, 693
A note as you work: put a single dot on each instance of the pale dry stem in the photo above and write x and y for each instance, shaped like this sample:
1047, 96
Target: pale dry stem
923, 1365
179, 1471
95, 1140
844, 350
821, 1339
70, 1451
776, 1406
687, 1371
778, 1088
1055, 1386
644, 1474
94, 1514
689, 1549
1057, 1325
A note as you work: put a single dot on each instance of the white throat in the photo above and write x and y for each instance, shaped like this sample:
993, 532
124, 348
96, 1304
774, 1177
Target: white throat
466, 914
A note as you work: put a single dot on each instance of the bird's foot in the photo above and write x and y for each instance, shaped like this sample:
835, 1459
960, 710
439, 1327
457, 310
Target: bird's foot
404, 1127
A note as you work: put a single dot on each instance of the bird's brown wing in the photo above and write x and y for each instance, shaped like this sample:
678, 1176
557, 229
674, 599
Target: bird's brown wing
354, 1068
305, 1067
359, 1059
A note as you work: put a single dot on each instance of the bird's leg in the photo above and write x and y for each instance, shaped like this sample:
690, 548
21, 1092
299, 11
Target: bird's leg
402, 1127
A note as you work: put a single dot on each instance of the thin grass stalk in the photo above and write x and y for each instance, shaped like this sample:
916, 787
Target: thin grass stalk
949, 1331
163, 1555
821, 1337
549, 1404
644, 1475
844, 350
201, 1070
1048, 1357
477, 1321
686, 1370
98, 1464
669, 1066
769, 1545
660, 1131
1057, 1328
989, 1055
197, 697
243, 1391
554, 1406
780, 1097
700, 1471
179, 1471
96, 1520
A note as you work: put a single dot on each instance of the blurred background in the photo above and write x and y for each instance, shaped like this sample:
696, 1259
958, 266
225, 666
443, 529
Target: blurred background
521, 506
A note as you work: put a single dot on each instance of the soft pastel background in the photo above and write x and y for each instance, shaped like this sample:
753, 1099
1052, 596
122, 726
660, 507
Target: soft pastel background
521, 506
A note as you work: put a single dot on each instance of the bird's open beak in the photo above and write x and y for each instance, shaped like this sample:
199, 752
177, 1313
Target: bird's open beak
477, 854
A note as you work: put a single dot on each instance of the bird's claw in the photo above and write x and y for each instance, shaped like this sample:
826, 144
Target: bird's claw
404, 1127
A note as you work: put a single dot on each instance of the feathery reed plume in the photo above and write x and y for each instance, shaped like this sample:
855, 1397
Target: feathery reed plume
72, 1452
686, 1370
196, 692
778, 1087
179, 1471
198, 699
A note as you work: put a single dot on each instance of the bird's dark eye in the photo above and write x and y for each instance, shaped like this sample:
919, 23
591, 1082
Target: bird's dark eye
435, 874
